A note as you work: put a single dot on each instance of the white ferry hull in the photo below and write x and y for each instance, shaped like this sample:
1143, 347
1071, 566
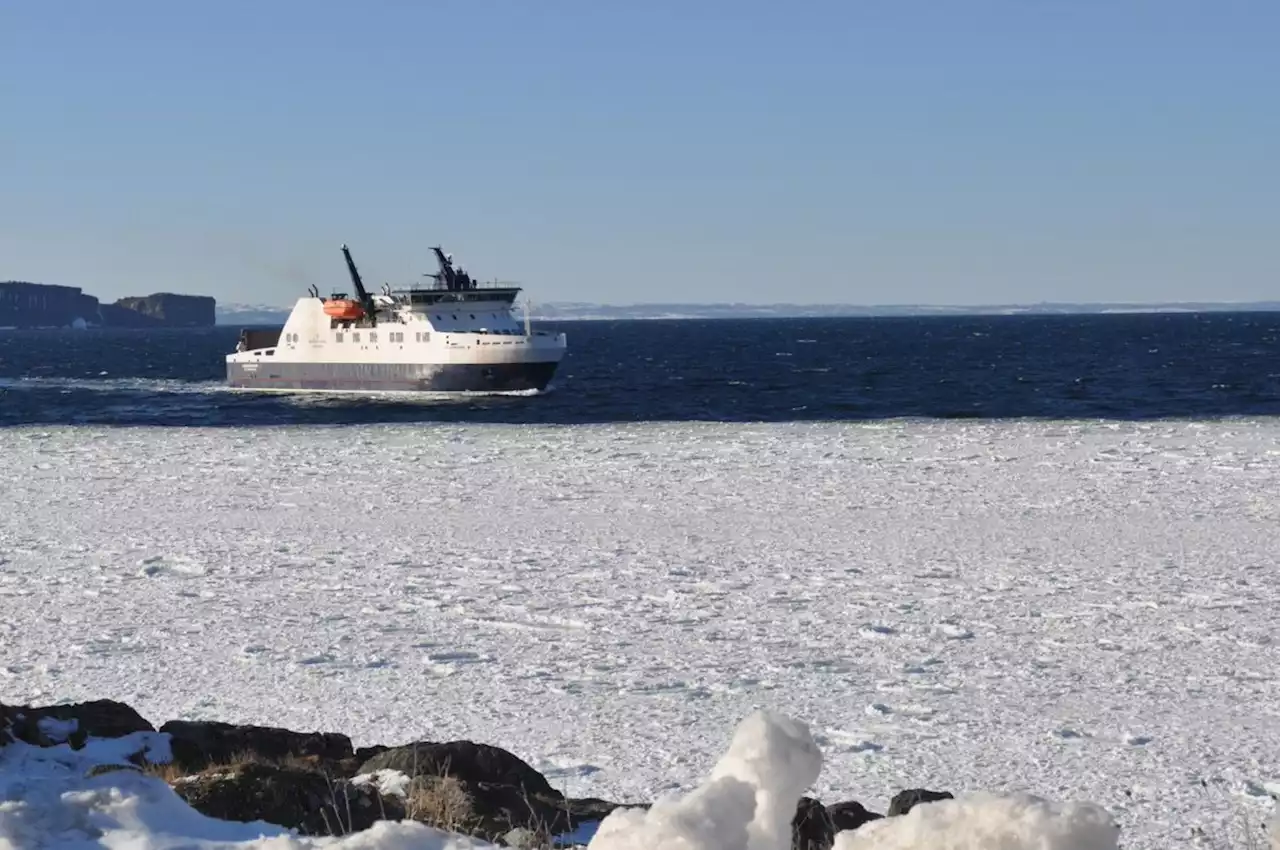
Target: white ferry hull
454, 337
268, 374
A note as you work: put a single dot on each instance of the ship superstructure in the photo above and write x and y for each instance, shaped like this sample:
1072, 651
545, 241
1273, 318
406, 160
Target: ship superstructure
453, 335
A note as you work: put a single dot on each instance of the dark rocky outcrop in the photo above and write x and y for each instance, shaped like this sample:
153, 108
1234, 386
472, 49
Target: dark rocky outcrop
481, 790
162, 309
850, 815
198, 744
905, 801
812, 827
300, 799
71, 723
363, 754
491, 811
464, 760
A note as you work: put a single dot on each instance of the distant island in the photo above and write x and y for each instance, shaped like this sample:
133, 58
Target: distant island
250, 314
39, 305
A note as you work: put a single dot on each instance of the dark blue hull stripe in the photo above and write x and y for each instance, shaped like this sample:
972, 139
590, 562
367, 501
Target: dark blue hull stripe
391, 377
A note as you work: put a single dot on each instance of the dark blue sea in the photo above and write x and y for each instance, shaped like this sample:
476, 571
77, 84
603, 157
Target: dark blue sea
1117, 366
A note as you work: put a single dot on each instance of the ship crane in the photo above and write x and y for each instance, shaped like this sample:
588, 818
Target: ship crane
346, 309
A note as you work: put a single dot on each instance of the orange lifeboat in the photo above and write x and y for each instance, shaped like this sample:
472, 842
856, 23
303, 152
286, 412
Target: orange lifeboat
343, 308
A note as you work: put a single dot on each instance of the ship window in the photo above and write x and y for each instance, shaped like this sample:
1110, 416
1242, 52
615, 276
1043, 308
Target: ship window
337, 337
355, 336
473, 315
455, 317
437, 318
373, 336
426, 337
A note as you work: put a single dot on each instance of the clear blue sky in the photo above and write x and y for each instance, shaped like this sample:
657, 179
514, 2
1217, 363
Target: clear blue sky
618, 151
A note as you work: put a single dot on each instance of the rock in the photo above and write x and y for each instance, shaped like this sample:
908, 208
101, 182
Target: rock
524, 839
72, 723
463, 760
103, 769
572, 813
905, 801
198, 744
811, 828
850, 815
363, 754
480, 809
493, 811
588, 809
6, 726
291, 797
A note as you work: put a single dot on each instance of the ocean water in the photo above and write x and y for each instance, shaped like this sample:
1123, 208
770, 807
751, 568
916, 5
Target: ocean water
1128, 367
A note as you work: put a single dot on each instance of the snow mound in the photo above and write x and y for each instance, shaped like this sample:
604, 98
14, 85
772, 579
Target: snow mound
746, 804
989, 822
749, 799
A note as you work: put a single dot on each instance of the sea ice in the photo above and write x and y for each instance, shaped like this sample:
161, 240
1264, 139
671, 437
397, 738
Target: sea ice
657, 582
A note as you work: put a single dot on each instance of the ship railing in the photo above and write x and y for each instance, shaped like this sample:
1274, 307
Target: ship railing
441, 286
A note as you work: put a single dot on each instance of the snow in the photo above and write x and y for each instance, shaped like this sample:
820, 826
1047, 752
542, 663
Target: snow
1075, 610
989, 822
57, 730
390, 783
746, 804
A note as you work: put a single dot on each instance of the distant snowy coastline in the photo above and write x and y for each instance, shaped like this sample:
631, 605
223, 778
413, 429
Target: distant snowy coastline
99, 775
256, 314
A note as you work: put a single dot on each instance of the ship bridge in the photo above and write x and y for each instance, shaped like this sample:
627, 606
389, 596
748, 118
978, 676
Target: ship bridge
428, 298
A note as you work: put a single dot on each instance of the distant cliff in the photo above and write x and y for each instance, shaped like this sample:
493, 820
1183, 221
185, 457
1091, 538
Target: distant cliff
38, 305
162, 309
35, 305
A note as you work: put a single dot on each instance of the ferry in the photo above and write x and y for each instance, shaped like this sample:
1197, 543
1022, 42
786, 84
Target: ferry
454, 335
